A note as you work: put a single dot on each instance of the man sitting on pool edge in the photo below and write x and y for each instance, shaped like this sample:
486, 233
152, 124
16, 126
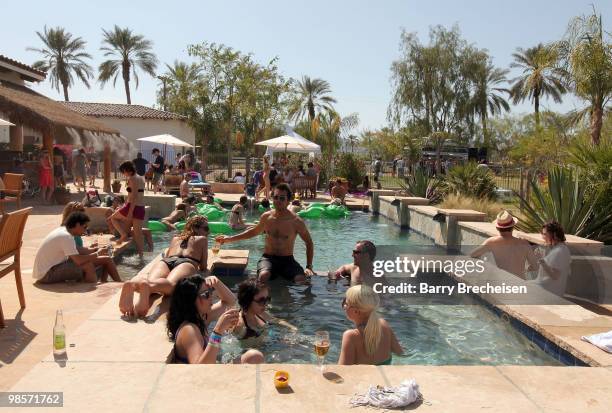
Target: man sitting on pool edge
281, 228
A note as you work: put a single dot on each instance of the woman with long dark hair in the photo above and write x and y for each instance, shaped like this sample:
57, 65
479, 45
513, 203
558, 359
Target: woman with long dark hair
253, 297
555, 266
192, 310
132, 214
187, 254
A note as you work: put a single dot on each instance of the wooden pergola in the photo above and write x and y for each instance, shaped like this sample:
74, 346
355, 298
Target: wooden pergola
23, 106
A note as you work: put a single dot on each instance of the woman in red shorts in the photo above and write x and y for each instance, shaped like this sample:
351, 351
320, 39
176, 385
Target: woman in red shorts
132, 213
45, 179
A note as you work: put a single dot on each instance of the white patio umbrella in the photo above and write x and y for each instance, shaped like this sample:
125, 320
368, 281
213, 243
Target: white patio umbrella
292, 142
166, 139
6, 123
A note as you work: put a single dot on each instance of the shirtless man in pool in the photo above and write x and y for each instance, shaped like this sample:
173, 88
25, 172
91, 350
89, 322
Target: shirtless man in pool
281, 227
362, 269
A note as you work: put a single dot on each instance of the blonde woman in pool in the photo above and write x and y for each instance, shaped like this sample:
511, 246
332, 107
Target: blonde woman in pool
372, 341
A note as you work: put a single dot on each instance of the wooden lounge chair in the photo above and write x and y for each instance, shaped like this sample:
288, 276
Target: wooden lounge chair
305, 186
13, 184
12, 225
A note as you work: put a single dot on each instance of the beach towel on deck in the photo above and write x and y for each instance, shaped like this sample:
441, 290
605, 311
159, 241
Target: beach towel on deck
601, 340
389, 397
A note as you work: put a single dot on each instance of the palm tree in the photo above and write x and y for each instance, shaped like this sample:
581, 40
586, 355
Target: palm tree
63, 56
131, 52
180, 81
311, 96
587, 59
487, 97
540, 77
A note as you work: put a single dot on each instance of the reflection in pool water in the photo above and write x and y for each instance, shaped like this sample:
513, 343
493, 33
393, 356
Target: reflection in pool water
461, 332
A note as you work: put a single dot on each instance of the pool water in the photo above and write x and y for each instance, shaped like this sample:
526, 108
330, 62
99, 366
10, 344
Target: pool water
460, 332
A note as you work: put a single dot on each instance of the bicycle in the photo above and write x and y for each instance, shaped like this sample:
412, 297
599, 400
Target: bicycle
30, 186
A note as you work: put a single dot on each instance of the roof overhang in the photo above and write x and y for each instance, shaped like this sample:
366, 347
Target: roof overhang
25, 74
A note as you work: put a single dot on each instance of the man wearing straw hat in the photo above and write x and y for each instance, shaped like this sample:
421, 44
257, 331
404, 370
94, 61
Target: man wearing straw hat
510, 253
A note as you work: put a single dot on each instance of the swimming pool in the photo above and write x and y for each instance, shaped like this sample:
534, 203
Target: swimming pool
461, 332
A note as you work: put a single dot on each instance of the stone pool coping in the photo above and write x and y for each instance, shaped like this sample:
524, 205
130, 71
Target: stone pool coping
155, 386
115, 363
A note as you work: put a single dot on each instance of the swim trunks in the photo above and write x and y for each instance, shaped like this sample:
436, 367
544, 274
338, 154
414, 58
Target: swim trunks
284, 266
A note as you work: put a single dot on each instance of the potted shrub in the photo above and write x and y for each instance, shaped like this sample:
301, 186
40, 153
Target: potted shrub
116, 185
61, 195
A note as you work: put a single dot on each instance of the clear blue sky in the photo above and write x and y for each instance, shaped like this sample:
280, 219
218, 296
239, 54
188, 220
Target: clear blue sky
351, 44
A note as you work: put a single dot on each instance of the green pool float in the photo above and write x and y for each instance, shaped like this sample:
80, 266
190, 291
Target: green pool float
311, 213
335, 211
180, 225
156, 226
219, 228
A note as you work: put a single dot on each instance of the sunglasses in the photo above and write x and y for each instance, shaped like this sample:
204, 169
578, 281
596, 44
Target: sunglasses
206, 294
279, 198
344, 304
204, 227
357, 252
263, 300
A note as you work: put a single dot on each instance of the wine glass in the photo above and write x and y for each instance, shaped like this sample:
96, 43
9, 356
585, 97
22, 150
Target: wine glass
216, 248
321, 347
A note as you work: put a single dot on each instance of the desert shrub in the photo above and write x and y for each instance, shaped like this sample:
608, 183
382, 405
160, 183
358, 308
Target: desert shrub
421, 185
567, 200
490, 208
471, 181
348, 166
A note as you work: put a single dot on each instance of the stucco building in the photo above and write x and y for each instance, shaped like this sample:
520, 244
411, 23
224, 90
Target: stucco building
137, 121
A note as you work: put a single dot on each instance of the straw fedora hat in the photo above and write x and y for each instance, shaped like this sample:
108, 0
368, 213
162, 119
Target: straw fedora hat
505, 220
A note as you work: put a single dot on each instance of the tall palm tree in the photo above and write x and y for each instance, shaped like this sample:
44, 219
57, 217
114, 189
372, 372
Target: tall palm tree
586, 54
540, 77
311, 96
488, 99
131, 51
63, 56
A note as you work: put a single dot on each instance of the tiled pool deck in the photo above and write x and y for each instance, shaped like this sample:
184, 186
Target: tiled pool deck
119, 364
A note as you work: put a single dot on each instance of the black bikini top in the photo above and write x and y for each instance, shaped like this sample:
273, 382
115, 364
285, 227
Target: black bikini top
130, 190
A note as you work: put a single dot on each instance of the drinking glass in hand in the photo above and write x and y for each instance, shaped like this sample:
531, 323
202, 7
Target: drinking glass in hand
215, 249
321, 347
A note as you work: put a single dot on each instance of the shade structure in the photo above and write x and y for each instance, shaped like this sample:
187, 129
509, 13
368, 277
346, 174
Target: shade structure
290, 142
6, 123
166, 139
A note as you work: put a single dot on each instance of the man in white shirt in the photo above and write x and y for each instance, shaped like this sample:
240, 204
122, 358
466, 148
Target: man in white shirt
59, 260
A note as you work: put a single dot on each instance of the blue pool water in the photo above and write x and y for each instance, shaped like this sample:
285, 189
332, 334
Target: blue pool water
462, 332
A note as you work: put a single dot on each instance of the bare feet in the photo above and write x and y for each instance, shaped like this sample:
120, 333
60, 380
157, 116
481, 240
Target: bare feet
143, 302
122, 239
126, 301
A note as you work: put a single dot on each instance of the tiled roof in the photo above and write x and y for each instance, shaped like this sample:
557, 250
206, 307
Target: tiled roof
120, 110
22, 65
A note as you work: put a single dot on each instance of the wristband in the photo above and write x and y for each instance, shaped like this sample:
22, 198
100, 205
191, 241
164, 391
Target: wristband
309, 267
215, 338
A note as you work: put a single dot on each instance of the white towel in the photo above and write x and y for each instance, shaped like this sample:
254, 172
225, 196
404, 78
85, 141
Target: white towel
389, 397
601, 340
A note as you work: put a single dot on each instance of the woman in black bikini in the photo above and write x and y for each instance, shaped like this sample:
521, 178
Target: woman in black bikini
187, 254
191, 310
253, 297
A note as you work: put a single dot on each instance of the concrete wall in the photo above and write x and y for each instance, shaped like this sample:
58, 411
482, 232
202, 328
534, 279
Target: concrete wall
161, 205
396, 208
